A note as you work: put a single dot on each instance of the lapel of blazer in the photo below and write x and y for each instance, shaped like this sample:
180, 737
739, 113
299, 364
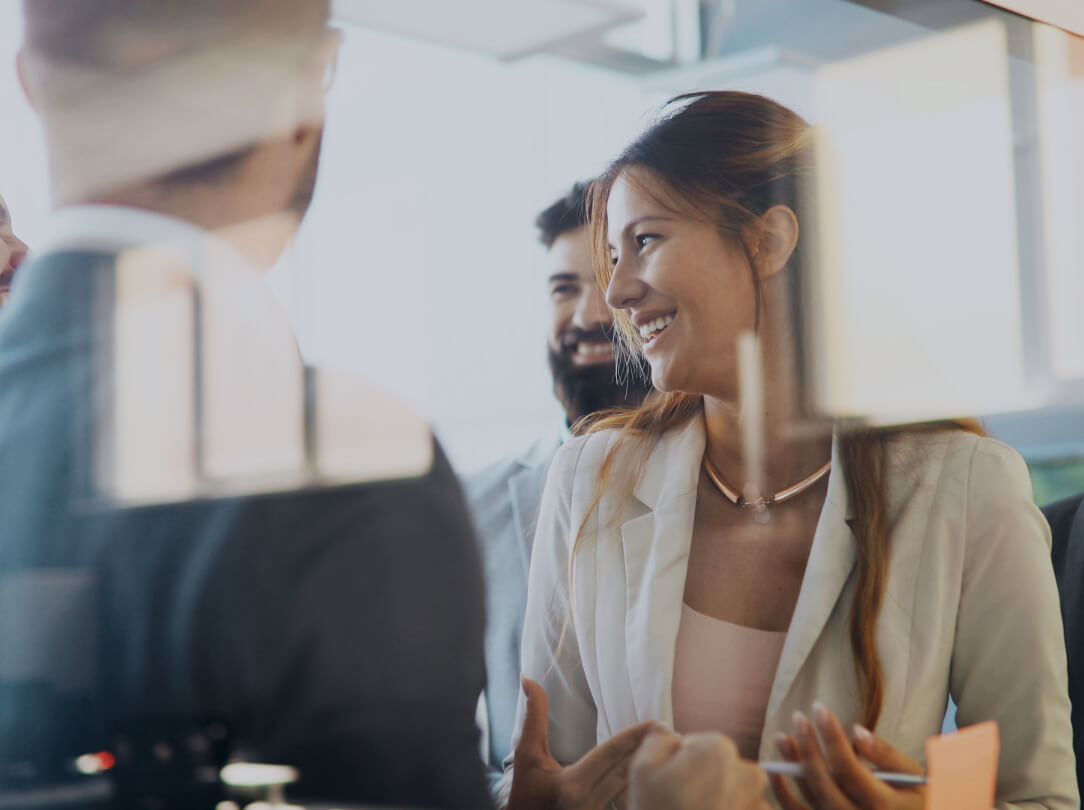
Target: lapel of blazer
831, 560
655, 545
525, 492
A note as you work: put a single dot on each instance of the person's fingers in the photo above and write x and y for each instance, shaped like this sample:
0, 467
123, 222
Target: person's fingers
788, 747
710, 744
783, 793
617, 750
714, 753
655, 748
818, 785
882, 755
534, 738
755, 776
707, 751
848, 772
610, 785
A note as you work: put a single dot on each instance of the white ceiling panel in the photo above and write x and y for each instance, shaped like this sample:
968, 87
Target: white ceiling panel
1066, 14
507, 29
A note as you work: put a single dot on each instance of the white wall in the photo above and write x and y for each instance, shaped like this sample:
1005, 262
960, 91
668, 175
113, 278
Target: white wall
418, 267
420, 254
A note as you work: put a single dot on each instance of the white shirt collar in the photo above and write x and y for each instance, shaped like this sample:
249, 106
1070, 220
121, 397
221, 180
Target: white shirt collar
113, 228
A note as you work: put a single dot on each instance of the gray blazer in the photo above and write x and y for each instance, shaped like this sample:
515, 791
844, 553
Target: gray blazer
503, 499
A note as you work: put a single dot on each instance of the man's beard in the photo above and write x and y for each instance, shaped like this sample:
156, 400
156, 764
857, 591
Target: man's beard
583, 390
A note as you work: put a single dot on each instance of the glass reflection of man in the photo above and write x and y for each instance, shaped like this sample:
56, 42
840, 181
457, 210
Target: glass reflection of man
504, 497
12, 252
334, 629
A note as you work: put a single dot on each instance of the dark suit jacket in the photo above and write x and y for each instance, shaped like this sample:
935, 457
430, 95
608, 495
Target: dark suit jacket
1066, 518
336, 629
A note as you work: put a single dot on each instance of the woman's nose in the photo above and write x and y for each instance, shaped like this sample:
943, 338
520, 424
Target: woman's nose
624, 289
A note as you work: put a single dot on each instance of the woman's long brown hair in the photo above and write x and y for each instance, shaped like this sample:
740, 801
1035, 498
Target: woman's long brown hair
731, 156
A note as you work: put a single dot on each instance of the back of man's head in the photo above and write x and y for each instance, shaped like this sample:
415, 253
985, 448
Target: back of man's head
132, 90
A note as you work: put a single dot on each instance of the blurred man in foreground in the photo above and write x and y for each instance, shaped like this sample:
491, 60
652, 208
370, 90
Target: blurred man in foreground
159, 432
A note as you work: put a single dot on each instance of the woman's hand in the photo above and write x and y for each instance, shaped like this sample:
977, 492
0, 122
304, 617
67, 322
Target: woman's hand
598, 781
835, 778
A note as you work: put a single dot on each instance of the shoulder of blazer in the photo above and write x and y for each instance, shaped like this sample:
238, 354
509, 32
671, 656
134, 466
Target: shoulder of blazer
954, 470
956, 451
581, 457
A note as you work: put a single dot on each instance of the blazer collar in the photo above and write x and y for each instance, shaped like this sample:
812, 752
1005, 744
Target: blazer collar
656, 543
656, 532
672, 469
831, 561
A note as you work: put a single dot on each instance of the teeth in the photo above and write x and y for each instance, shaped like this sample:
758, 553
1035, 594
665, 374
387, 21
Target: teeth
650, 329
593, 349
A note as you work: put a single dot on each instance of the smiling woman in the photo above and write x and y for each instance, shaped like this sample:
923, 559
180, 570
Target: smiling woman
897, 567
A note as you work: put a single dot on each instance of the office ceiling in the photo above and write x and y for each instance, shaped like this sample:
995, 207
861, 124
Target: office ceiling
651, 36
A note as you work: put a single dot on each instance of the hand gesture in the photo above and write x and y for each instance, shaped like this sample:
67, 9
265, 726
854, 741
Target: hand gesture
696, 772
835, 778
598, 781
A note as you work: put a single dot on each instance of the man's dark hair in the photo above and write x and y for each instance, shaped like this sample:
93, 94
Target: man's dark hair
567, 214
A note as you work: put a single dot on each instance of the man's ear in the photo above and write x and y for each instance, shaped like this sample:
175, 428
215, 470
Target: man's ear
775, 236
20, 70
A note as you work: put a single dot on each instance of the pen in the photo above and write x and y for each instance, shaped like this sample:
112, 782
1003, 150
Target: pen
888, 777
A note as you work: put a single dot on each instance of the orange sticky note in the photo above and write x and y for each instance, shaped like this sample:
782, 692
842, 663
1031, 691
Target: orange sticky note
961, 768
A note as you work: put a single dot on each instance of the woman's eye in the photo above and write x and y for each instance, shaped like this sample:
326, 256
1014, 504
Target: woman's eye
644, 239
561, 290
613, 259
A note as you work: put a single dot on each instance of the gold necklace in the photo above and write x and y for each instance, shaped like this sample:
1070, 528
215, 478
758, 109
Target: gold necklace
760, 503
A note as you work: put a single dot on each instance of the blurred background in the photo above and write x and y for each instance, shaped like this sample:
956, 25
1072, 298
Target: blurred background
948, 263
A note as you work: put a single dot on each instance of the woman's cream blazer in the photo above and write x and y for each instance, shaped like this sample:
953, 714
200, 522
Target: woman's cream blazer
970, 610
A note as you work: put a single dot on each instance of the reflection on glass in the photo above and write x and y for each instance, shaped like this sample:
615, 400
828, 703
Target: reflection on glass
917, 310
1059, 61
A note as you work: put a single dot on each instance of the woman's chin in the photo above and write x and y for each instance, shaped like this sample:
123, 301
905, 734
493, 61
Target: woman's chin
668, 384
663, 382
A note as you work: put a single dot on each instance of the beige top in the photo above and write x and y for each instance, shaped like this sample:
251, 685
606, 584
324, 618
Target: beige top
723, 675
